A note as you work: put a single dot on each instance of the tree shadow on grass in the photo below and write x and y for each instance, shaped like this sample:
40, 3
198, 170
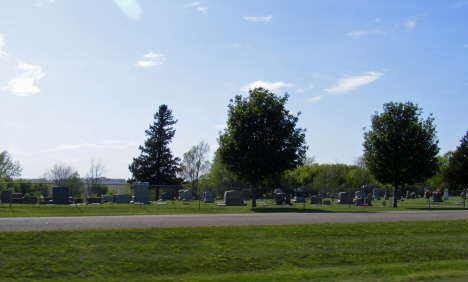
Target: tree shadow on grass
436, 208
287, 210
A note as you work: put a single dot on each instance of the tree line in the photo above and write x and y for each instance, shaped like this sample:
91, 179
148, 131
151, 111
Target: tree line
261, 146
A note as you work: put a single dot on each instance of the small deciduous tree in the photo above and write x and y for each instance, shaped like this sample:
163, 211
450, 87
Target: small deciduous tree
65, 175
401, 148
261, 139
97, 171
194, 165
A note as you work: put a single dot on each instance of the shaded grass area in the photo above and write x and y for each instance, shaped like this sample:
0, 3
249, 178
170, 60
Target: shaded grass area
19, 210
393, 251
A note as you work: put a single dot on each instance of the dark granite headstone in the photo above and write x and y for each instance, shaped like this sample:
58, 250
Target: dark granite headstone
108, 198
208, 197
437, 197
78, 201
283, 198
233, 198
367, 202
122, 199
326, 203
343, 198
359, 202
95, 200
166, 196
6, 197
140, 194
60, 195
316, 200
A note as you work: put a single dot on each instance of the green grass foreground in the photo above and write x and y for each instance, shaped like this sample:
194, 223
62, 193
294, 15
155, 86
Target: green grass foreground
394, 251
24, 210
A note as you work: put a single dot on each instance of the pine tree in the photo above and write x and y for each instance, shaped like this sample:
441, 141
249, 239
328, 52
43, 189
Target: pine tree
156, 163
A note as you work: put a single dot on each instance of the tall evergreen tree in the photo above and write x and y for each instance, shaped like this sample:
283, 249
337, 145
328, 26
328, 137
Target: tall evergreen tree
156, 164
457, 170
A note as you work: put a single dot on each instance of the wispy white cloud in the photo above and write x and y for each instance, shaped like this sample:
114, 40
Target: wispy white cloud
461, 4
23, 85
272, 86
360, 33
347, 84
315, 99
196, 5
151, 60
259, 19
465, 46
2, 43
106, 145
304, 90
130, 8
410, 24
376, 20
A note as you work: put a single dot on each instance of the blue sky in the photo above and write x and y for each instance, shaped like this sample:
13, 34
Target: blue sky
81, 80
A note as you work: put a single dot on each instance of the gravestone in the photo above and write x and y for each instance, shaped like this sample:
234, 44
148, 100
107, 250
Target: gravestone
367, 202
382, 193
446, 194
208, 197
360, 194
421, 194
60, 195
283, 198
187, 196
315, 200
376, 194
246, 194
233, 198
277, 191
78, 201
427, 194
359, 202
17, 198
343, 198
108, 199
326, 203
122, 199
321, 195
388, 194
6, 197
299, 195
181, 195
408, 195
94, 200
140, 196
437, 197
166, 196
30, 200
47, 199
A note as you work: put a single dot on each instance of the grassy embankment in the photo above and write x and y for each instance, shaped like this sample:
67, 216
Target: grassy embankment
394, 251
20, 210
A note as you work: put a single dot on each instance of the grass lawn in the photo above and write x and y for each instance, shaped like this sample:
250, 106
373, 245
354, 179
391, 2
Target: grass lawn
24, 210
393, 251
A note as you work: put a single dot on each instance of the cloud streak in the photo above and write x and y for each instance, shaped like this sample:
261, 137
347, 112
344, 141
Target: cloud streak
23, 85
151, 60
358, 34
272, 86
259, 19
196, 5
2, 43
348, 84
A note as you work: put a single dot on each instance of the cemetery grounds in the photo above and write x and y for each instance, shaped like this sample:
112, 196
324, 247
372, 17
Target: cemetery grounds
377, 251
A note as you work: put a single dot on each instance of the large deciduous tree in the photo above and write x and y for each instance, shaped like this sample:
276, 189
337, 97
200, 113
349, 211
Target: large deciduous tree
261, 139
401, 148
156, 164
8, 168
457, 170
97, 171
194, 165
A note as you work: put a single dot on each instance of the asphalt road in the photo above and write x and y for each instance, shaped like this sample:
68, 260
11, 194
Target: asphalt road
137, 221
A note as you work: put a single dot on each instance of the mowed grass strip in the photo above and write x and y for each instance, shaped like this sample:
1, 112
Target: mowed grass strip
24, 210
429, 250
